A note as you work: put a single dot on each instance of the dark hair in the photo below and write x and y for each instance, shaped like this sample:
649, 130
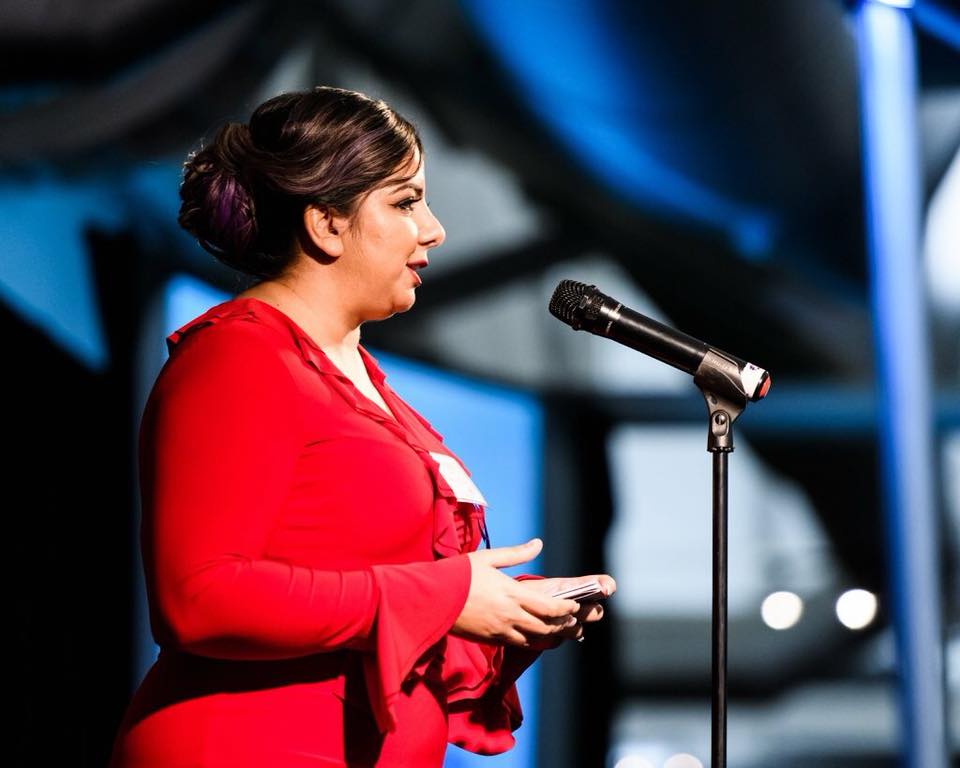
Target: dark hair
243, 196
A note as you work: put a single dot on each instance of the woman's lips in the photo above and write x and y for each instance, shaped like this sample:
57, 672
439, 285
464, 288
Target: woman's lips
416, 264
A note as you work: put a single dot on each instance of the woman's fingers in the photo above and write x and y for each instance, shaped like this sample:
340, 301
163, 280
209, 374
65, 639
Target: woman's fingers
608, 583
534, 626
553, 585
545, 606
569, 633
590, 612
503, 557
515, 637
562, 628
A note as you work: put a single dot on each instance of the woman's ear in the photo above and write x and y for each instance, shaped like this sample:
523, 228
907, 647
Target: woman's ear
324, 229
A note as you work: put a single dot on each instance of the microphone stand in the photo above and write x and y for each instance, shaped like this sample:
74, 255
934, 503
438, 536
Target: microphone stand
726, 384
716, 378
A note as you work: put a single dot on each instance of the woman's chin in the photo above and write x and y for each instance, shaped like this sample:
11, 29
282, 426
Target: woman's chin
399, 306
408, 302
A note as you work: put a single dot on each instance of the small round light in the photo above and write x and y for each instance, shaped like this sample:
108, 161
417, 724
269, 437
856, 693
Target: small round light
856, 608
683, 761
633, 761
781, 610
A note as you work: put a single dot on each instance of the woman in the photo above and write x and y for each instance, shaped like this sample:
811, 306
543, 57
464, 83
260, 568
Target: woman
310, 544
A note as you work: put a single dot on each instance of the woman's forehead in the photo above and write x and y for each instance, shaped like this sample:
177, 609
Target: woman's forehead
413, 166
411, 173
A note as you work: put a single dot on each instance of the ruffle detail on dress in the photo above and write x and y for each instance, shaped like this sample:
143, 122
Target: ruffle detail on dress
418, 603
484, 707
470, 667
483, 720
446, 541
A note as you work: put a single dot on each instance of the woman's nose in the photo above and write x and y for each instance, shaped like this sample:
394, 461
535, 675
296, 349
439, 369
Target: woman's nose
432, 232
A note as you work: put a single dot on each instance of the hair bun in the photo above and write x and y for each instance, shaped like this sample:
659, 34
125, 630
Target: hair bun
216, 204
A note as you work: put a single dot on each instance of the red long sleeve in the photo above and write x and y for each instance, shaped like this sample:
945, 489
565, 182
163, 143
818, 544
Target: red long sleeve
219, 440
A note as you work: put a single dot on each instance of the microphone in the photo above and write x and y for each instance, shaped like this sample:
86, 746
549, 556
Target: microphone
583, 307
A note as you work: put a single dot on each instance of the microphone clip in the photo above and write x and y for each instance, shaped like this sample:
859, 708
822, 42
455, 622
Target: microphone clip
719, 381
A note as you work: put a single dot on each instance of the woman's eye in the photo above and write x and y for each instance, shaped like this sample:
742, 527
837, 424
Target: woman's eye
407, 204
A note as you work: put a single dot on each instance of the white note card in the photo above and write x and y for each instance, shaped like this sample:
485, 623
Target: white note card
458, 480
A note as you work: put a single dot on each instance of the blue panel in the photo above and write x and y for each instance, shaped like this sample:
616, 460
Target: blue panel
892, 177
46, 273
184, 298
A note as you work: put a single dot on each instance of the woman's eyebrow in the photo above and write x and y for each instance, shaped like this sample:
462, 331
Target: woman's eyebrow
408, 185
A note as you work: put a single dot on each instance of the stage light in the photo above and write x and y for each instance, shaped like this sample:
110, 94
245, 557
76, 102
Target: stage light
633, 761
683, 761
856, 608
897, 3
781, 610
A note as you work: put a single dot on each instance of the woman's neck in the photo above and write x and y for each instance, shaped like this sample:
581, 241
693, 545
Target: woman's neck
331, 330
338, 338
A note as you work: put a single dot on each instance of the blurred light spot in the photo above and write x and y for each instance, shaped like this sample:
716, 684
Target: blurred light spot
941, 234
856, 608
897, 3
684, 760
953, 666
781, 610
633, 761
753, 237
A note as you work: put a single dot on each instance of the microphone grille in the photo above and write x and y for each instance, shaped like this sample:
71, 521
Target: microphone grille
565, 302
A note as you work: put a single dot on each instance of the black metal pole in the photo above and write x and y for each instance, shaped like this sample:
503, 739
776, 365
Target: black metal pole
718, 740
722, 414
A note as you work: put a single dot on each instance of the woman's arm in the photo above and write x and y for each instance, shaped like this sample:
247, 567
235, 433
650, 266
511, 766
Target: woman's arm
219, 441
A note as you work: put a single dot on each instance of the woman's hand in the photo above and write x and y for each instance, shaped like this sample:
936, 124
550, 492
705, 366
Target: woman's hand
588, 612
506, 610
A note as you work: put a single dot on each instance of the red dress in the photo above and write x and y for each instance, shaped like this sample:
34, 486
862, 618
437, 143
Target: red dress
305, 560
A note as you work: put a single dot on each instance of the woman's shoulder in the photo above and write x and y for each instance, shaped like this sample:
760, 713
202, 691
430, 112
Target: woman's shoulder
231, 319
225, 366
229, 341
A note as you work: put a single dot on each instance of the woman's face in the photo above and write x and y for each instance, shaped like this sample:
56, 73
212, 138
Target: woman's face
387, 243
